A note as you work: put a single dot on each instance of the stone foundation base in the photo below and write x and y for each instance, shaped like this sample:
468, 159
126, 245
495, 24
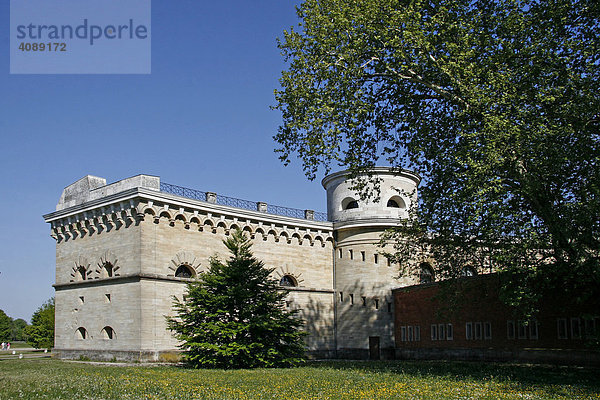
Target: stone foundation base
169, 356
535, 356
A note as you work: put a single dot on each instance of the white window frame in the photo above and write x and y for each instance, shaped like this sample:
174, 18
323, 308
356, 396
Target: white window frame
487, 330
434, 334
469, 331
449, 332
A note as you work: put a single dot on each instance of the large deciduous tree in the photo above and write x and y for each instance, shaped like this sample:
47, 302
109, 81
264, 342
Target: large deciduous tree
234, 316
40, 334
495, 103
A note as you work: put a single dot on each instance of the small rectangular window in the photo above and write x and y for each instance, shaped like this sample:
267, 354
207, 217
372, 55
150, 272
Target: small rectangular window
469, 331
364, 301
449, 332
533, 329
81, 299
340, 253
434, 333
510, 329
562, 328
341, 297
389, 306
441, 332
522, 329
410, 333
588, 326
575, 328
107, 297
389, 263
351, 254
351, 298
487, 330
363, 255
478, 331
417, 333
403, 333
376, 303
376, 258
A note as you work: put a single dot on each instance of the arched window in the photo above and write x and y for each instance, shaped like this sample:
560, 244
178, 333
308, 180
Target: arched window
108, 333
426, 273
107, 270
184, 271
82, 333
349, 203
81, 273
288, 280
396, 202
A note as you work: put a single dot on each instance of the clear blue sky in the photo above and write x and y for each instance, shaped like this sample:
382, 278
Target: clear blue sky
200, 120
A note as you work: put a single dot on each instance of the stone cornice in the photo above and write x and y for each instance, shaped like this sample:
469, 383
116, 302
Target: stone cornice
153, 277
367, 222
133, 205
136, 195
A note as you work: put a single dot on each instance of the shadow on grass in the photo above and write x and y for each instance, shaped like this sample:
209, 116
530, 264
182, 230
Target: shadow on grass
519, 374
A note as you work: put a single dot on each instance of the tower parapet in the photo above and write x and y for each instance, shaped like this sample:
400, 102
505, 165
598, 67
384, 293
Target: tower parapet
398, 190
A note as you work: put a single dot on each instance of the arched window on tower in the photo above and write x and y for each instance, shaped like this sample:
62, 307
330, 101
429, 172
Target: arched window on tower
184, 271
396, 202
426, 273
288, 280
349, 203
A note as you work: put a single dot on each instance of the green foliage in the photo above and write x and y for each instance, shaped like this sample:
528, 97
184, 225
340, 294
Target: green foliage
17, 330
495, 103
41, 331
5, 326
233, 315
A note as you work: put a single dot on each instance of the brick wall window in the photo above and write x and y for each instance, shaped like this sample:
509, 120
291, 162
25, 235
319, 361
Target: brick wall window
575, 328
478, 333
376, 301
410, 333
522, 329
469, 331
449, 332
487, 330
341, 297
389, 307
434, 332
510, 329
376, 258
561, 325
363, 255
340, 253
351, 254
441, 332
364, 301
533, 329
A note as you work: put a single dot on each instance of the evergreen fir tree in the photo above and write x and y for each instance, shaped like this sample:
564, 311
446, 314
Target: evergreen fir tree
233, 315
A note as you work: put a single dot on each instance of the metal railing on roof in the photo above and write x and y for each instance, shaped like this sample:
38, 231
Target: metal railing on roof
214, 198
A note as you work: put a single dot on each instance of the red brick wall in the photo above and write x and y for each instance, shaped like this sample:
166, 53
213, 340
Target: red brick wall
477, 302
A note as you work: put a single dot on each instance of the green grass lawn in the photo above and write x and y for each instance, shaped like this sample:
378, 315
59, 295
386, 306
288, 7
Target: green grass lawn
52, 379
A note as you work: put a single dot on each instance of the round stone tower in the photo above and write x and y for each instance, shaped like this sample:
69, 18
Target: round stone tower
363, 278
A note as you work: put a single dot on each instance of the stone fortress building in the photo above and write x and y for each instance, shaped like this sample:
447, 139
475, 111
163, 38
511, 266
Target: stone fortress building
123, 250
